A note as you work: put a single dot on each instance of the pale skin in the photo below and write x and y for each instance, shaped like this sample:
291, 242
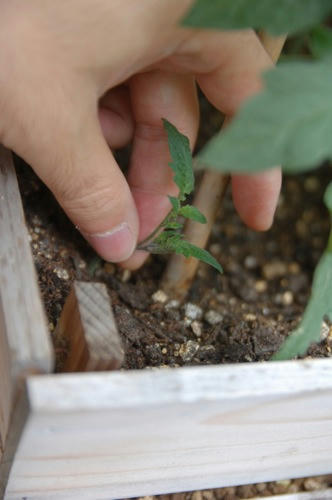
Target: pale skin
80, 78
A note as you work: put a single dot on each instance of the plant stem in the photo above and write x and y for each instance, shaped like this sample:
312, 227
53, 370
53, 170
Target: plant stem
143, 245
180, 272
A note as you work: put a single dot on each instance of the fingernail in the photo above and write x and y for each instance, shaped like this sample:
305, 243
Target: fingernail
115, 245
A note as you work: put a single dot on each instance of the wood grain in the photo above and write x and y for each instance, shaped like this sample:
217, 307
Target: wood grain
23, 315
125, 434
25, 346
87, 321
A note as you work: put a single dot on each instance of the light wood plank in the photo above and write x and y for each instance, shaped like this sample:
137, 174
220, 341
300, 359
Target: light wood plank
25, 346
87, 321
125, 434
24, 320
5, 384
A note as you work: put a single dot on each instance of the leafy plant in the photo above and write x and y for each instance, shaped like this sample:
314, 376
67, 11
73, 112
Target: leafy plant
275, 16
289, 122
167, 237
320, 303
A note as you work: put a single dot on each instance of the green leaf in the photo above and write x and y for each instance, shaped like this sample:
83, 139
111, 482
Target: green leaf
175, 203
319, 305
189, 250
275, 16
289, 123
174, 225
181, 163
169, 241
328, 198
320, 42
193, 213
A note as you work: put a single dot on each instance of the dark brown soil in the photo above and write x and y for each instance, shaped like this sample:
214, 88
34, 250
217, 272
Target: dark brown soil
240, 316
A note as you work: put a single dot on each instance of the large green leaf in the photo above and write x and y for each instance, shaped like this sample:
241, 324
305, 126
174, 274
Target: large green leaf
289, 123
276, 16
181, 163
320, 304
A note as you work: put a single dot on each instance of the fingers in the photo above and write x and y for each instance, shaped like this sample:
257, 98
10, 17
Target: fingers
97, 198
116, 118
255, 197
66, 148
228, 75
156, 95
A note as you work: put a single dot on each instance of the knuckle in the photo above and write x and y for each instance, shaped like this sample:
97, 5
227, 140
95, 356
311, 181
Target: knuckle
90, 200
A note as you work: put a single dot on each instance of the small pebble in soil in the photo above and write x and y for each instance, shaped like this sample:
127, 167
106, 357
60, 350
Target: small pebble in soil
196, 327
61, 273
250, 317
192, 311
213, 317
294, 268
160, 296
188, 350
287, 298
260, 286
172, 304
273, 270
250, 262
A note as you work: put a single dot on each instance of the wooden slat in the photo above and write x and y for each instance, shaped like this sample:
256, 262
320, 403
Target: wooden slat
24, 319
5, 384
125, 434
25, 346
87, 321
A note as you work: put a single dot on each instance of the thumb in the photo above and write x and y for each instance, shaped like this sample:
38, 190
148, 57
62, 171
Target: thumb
69, 153
95, 195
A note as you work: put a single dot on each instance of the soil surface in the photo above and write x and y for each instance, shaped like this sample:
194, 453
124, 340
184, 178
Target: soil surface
242, 315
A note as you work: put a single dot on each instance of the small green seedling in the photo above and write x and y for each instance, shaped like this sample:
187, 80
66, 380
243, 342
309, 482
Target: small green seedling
167, 237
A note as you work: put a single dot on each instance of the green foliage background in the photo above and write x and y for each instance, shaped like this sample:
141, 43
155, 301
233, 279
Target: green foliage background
288, 123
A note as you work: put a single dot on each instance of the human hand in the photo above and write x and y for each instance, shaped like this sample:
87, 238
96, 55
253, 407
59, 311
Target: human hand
79, 77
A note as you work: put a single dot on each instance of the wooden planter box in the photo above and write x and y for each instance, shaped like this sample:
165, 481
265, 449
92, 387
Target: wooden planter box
120, 434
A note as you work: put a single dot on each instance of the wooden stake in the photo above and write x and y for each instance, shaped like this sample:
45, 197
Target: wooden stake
88, 323
180, 271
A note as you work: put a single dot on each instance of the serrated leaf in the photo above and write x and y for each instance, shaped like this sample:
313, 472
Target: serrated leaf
175, 202
181, 163
275, 16
289, 123
319, 305
192, 213
187, 249
320, 42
